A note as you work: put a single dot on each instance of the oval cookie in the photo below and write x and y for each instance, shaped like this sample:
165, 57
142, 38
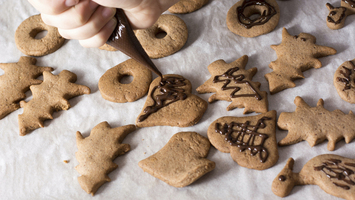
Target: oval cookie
29, 45
187, 6
176, 36
241, 20
344, 81
112, 90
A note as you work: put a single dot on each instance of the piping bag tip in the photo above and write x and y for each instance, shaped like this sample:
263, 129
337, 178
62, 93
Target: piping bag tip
124, 39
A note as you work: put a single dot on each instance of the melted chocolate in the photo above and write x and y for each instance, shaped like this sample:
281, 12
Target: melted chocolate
246, 131
170, 92
282, 178
238, 79
264, 17
350, 2
347, 76
124, 39
334, 169
334, 12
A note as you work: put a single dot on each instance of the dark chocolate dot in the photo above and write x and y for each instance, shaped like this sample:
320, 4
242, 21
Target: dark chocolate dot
282, 178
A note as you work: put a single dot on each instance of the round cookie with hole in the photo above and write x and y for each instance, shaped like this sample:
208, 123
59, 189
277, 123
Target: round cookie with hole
167, 36
113, 88
251, 18
26, 37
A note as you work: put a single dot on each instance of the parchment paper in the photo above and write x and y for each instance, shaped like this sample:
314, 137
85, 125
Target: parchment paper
32, 167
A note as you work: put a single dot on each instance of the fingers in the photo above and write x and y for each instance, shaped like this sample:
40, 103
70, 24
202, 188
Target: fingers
124, 4
73, 17
101, 37
98, 20
53, 7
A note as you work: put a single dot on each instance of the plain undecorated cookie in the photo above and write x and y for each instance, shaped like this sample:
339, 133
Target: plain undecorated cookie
187, 6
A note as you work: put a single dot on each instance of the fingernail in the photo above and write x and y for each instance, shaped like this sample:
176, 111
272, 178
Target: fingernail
112, 23
71, 3
108, 12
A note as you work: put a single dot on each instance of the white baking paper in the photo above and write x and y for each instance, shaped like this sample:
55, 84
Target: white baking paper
32, 167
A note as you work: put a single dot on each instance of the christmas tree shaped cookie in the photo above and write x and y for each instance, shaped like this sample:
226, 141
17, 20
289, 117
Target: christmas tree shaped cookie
97, 152
316, 124
231, 82
295, 54
17, 79
51, 95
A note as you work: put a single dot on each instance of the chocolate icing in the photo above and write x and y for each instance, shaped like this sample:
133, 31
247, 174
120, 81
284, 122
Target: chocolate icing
334, 169
350, 2
347, 76
332, 13
124, 39
246, 131
170, 91
282, 178
238, 79
264, 18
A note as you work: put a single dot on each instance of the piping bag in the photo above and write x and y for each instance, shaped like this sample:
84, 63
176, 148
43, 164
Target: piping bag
124, 39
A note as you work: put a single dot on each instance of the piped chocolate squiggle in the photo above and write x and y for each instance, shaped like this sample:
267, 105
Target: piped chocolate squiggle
347, 76
124, 39
350, 2
170, 91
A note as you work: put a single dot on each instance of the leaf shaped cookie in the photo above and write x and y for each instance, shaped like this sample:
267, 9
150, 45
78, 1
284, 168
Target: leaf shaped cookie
17, 79
181, 161
295, 55
170, 103
316, 124
251, 141
96, 153
51, 95
231, 82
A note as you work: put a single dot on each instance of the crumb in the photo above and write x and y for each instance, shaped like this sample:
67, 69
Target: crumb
145, 152
66, 161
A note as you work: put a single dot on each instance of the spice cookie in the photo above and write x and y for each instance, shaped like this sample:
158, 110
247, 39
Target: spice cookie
251, 141
51, 95
337, 15
231, 82
113, 90
29, 45
170, 103
344, 81
181, 161
176, 36
316, 124
295, 54
240, 18
107, 48
16, 81
332, 173
187, 6
97, 152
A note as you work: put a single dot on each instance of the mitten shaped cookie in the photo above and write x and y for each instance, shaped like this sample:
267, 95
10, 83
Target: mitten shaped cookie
97, 152
181, 161
315, 124
295, 54
231, 82
16, 81
337, 15
251, 141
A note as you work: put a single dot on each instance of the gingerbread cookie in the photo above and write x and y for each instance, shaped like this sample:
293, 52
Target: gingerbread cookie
251, 141
187, 6
295, 54
181, 161
170, 103
231, 82
240, 18
344, 81
316, 124
97, 152
16, 81
29, 45
337, 15
176, 36
113, 90
107, 48
51, 95
332, 173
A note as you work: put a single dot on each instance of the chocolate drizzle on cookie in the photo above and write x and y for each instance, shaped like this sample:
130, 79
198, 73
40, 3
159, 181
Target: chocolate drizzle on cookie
267, 14
334, 12
350, 2
124, 39
238, 79
170, 91
245, 135
335, 169
347, 76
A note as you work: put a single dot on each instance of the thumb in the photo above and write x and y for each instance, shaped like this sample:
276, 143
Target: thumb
53, 7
